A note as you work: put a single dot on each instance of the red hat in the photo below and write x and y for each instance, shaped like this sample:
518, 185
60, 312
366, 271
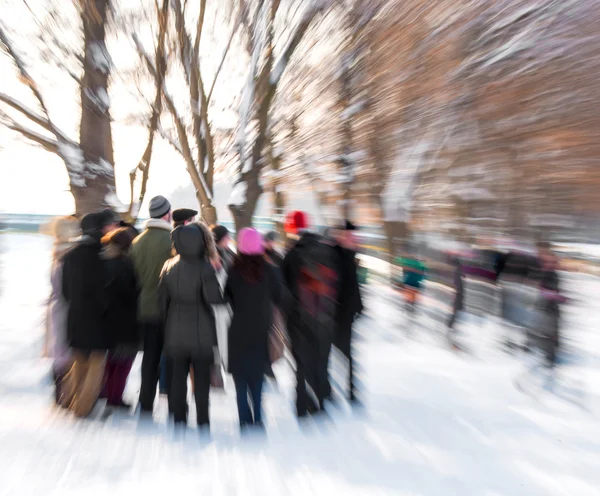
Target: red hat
296, 221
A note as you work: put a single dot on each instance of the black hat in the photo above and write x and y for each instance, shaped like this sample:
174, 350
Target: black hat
219, 232
108, 217
272, 236
91, 223
183, 214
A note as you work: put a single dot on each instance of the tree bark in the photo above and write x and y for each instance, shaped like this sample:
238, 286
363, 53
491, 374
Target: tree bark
95, 138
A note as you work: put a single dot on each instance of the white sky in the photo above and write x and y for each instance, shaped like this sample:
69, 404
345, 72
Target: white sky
35, 181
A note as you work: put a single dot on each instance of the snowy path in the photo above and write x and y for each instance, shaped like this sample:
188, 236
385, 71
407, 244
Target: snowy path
436, 424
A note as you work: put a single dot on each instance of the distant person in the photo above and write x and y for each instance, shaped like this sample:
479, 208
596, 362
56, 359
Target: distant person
545, 332
121, 320
188, 287
64, 230
222, 238
83, 287
458, 303
149, 252
183, 216
271, 252
310, 271
253, 289
349, 299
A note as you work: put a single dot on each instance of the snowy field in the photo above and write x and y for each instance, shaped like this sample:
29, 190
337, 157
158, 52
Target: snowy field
435, 424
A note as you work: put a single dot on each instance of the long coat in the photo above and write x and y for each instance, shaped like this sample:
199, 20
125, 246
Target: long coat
349, 299
187, 290
57, 320
253, 304
122, 292
83, 287
149, 252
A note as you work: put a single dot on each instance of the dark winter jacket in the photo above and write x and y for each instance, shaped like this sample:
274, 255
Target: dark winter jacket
83, 287
227, 256
274, 257
459, 289
349, 299
252, 304
187, 289
299, 321
149, 252
123, 292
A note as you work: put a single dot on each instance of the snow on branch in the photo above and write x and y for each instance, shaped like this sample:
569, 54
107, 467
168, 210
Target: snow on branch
170, 139
99, 57
237, 198
311, 11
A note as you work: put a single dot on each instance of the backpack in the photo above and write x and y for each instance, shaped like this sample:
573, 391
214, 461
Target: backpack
318, 283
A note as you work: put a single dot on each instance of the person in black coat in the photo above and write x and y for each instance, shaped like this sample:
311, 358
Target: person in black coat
349, 299
187, 290
83, 287
458, 305
271, 248
121, 321
252, 289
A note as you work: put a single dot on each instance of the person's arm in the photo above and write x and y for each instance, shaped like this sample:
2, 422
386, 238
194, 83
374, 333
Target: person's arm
164, 299
211, 289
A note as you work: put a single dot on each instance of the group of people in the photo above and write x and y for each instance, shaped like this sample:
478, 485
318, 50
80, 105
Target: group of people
180, 294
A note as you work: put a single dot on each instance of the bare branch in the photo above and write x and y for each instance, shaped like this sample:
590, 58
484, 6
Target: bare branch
27, 112
28, 80
225, 52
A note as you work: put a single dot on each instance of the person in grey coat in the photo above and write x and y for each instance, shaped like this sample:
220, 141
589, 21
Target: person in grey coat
188, 287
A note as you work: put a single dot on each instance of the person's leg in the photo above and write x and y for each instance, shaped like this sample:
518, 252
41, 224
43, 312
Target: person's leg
73, 379
163, 380
256, 385
241, 391
153, 344
120, 373
301, 395
92, 384
178, 389
109, 372
202, 370
323, 388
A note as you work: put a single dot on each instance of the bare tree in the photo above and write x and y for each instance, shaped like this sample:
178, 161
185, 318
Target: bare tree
193, 137
89, 159
263, 78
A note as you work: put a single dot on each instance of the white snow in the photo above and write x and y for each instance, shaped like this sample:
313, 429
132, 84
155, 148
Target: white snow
436, 423
99, 98
113, 201
238, 194
102, 168
100, 57
72, 154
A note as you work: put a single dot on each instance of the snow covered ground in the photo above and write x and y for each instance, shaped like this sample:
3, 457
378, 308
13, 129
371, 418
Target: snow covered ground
436, 424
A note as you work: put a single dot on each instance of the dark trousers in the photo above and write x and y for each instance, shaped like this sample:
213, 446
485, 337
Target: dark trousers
312, 361
153, 346
343, 342
116, 373
249, 386
165, 375
180, 368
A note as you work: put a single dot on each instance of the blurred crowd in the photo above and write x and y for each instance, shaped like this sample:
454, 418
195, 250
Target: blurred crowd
197, 309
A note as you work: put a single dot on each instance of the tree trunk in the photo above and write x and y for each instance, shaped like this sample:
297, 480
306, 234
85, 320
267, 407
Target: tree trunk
95, 135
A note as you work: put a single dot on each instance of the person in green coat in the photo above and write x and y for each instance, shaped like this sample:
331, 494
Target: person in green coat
149, 252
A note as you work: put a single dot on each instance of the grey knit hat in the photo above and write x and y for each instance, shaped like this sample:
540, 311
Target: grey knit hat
159, 207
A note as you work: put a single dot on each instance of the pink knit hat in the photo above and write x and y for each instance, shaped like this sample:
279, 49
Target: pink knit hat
250, 242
